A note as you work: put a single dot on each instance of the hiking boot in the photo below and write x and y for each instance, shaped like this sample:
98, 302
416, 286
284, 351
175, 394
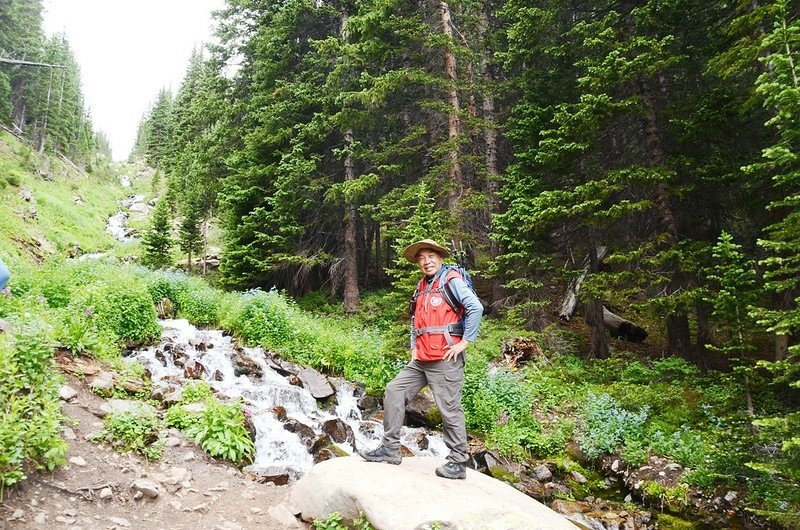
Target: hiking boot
381, 454
452, 470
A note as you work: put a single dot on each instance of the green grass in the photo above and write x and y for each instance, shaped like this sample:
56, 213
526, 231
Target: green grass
60, 223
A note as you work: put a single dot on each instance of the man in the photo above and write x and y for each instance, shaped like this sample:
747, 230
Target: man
439, 336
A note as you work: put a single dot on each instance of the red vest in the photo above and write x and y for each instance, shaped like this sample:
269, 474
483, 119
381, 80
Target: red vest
432, 310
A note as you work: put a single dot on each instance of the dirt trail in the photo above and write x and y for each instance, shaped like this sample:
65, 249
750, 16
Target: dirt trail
94, 490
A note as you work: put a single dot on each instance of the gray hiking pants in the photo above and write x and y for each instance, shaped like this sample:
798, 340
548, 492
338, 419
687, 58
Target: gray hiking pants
446, 381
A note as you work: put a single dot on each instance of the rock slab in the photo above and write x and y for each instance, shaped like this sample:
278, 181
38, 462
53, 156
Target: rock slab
410, 496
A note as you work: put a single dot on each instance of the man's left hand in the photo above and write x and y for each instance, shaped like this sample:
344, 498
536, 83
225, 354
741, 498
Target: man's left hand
452, 352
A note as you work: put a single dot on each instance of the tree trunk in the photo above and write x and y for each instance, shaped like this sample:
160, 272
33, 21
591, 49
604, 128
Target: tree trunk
453, 121
189, 261
492, 170
351, 295
43, 132
594, 309
678, 338
18, 92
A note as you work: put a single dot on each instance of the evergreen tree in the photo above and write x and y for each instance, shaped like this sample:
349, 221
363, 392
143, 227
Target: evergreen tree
157, 240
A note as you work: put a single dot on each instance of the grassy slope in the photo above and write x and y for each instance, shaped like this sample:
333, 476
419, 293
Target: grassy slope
61, 223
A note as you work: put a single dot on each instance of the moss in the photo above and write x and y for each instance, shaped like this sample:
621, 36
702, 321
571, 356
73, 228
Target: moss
501, 474
670, 522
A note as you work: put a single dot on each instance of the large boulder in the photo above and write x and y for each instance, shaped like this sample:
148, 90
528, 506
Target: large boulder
410, 496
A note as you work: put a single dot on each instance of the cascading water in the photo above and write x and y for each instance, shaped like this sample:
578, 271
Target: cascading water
276, 447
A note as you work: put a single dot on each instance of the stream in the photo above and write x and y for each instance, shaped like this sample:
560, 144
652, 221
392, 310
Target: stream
264, 389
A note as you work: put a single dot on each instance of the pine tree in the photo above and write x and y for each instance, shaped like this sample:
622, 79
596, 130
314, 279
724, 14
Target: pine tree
157, 241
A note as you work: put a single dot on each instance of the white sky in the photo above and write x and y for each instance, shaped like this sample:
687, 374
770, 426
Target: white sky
127, 51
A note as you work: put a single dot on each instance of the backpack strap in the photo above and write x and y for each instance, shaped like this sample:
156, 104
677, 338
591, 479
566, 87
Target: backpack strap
448, 292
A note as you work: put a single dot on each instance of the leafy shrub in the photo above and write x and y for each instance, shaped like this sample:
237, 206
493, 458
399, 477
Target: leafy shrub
31, 417
124, 308
221, 432
199, 304
219, 429
262, 318
136, 432
685, 446
195, 391
335, 522
78, 332
33, 352
607, 426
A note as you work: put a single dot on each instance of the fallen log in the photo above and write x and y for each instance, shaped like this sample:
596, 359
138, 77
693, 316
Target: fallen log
623, 329
570, 302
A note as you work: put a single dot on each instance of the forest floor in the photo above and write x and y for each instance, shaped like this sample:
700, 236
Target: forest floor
95, 489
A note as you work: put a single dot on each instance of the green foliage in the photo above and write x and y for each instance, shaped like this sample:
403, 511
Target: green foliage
221, 433
685, 446
194, 391
123, 308
135, 432
30, 423
607, 427
33, 352
335, 522
157, 240
217, 427
78, 332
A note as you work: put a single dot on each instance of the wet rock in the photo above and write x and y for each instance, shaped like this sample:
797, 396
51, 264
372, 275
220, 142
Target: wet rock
244, 365
275, 474
542, 473
193, 370
304, 432
218, 376
316, 383
501, 468
280, 413
532, 488
369, 404
422, 411
422, 440
161, 357
339, 432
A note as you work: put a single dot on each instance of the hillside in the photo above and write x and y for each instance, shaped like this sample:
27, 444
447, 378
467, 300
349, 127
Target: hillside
51, 208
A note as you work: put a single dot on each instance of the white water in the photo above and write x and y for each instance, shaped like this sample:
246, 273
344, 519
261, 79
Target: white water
275, 446
117, 223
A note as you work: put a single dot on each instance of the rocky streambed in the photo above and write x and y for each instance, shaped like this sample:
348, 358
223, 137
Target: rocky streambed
298, 417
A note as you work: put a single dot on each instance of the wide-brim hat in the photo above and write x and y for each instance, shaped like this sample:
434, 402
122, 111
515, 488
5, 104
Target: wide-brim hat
411, 250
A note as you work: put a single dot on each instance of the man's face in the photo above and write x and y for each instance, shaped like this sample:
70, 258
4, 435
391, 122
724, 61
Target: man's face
429, 261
